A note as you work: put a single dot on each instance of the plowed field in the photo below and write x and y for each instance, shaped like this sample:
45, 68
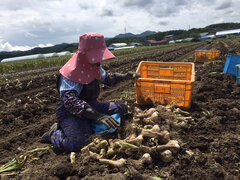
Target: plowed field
209, 141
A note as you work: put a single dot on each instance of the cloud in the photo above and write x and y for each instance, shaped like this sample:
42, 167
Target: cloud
138, 3
169, 8
163, 23
28, 34
12, 5
224, 5
32, 22
83, 5
107, 13
8, 47
181, 3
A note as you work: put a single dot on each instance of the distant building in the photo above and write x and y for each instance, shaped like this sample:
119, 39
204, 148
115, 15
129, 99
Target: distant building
228, 33
21, 58
36, 56
135, 44
203, 34
116, 45
154, 43
188, 39
219, 34
119, 46
171, 42
169, 38
206, 37
125, 47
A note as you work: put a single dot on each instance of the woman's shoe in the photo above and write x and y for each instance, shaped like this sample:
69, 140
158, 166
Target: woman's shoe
46, 138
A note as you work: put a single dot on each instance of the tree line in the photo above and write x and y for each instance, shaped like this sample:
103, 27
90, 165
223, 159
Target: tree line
179, 34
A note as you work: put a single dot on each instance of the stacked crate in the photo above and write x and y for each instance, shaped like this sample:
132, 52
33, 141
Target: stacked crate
206, 55
165, 83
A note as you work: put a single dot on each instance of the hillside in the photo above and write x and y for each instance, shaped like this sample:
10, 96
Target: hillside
144, 34
180, 34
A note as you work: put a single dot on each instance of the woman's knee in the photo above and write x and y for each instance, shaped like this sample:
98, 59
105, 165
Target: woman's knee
73, 144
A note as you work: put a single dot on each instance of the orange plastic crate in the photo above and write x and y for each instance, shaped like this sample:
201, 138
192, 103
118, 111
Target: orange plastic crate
206, 55
165, 83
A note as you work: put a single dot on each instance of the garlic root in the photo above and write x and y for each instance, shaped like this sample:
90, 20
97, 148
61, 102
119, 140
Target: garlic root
153, 118
94, 155
166, 156
171, 145
145, 159
135, 140
162, 136
144, 114
115, 163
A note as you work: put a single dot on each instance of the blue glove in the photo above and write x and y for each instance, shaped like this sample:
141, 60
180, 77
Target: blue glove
102, 129
100, 118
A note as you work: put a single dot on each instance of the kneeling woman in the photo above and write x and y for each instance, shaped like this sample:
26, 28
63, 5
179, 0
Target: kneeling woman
79, 113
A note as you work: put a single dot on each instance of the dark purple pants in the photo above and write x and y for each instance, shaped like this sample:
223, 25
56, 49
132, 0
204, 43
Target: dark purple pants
74, 131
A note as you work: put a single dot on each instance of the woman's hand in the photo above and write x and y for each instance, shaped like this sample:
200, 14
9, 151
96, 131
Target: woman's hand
107, 120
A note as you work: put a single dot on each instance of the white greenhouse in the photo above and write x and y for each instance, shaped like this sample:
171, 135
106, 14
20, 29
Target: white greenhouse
48, 55
65, 53
125, 47
37, 56
116, 45
228, 32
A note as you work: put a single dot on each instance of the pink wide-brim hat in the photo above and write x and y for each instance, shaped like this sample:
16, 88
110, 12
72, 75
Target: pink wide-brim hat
91, 50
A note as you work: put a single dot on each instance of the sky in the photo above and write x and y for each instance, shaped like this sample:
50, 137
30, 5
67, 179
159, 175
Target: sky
25, 24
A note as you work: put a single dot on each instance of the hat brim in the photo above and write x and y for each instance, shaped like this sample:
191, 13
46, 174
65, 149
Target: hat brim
98, 55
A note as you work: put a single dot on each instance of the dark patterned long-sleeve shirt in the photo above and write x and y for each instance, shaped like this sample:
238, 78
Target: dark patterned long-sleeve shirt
70, 91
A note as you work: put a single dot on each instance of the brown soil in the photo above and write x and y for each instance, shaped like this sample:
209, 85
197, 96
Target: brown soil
28, 101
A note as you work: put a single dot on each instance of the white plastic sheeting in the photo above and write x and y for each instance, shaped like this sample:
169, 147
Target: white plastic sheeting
37, 56
64, 53
48, 55
113, 46
117, 45
126, 47
228, 32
